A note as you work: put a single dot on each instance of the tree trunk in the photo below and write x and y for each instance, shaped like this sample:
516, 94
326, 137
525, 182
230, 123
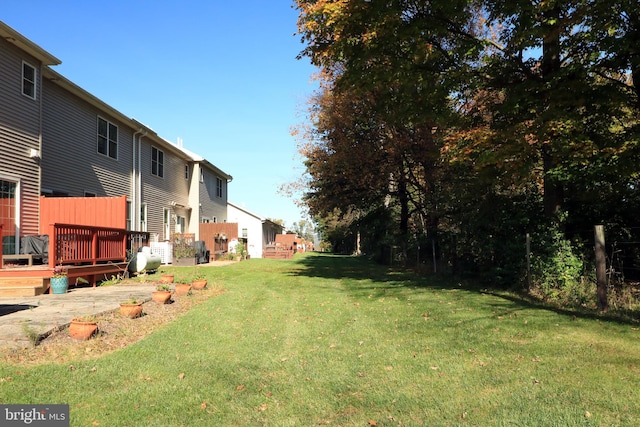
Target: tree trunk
553, 194
403, 199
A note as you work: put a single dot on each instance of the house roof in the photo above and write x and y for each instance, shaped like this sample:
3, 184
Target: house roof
240, 208
17, 39
264, 220
76, 90
47, 59
198, 158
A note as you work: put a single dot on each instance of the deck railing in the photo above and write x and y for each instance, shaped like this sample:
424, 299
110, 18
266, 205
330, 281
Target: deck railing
71, 244
277, 252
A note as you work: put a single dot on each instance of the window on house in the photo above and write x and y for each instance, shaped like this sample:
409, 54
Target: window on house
107, 138
186, 171
157, 162
143, 217
29, 80
215, 219
129, 215
218, 187
89, 194
201, 175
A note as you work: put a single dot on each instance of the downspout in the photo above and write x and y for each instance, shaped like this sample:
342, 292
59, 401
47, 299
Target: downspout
139, 192
134, 178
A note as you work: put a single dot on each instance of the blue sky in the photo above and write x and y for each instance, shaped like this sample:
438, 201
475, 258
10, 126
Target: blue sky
220, 74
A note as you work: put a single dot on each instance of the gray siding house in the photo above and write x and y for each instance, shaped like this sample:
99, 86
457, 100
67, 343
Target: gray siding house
21, 66
56, 139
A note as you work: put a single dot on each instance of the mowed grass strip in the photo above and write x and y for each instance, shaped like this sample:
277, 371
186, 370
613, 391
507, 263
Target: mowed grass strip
330, 340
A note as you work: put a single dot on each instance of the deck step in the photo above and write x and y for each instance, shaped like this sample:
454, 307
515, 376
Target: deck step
22, 286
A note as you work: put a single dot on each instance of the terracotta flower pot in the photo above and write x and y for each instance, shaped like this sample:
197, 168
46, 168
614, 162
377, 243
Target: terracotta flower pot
81, 329
161, 297
166, 278
183, 288
199, 284
131, 310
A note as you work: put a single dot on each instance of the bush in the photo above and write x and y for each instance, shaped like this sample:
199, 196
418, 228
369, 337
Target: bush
558, 269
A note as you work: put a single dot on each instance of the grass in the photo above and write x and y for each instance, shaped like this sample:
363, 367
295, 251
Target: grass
329, 340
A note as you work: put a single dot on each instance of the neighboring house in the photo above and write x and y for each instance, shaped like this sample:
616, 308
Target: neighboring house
208, 189
254, 230
56, 139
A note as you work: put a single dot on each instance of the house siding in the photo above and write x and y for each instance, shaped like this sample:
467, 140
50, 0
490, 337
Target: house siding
19, 133
71, 163
159, 192
62, 124
255, 229
212, 205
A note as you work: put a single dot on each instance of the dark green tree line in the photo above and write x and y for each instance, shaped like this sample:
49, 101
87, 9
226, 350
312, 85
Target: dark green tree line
472, 123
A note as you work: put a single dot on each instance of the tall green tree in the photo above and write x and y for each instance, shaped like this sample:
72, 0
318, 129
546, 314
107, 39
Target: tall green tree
397, 62
560, 115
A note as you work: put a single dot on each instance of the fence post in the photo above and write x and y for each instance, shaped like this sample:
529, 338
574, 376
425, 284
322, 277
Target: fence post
601, 268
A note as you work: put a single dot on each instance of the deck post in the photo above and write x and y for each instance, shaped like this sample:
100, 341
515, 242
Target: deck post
53, 245
94, 246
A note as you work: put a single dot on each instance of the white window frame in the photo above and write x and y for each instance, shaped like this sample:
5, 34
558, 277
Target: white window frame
30, 83
16, 212
143, 217
219, 187
129, 207
157, 162
109, 138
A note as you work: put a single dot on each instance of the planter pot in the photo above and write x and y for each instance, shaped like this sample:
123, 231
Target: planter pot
131, 310
161, 297
82, 330
183, 288
59, 285
166, 278
199, 284
182, 262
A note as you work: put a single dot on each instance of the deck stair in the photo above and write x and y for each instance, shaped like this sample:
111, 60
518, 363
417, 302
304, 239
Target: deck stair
23, 286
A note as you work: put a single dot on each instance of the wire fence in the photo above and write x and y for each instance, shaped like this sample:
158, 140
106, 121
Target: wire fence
623, 254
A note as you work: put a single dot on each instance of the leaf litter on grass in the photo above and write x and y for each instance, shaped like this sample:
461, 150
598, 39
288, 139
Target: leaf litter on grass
114, 332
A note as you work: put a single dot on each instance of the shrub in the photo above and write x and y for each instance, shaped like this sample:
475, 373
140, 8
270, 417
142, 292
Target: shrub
558, 269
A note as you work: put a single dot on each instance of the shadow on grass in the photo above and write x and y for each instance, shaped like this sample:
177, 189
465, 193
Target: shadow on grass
383, 280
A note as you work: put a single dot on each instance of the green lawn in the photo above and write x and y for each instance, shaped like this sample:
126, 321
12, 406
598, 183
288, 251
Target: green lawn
329, 340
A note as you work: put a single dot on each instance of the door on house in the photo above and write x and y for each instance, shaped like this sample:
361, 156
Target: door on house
181, 224
166, 225
8, 208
